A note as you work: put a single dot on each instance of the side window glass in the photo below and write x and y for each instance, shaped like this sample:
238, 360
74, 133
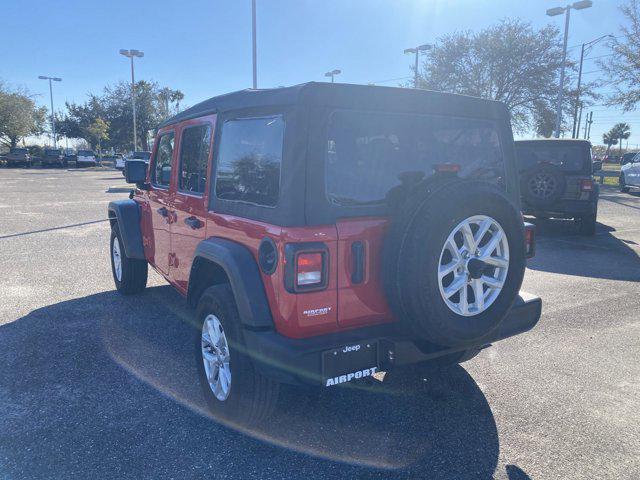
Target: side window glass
248, 164
161, 173
194, 156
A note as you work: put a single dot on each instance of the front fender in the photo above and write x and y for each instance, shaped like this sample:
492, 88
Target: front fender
127, 214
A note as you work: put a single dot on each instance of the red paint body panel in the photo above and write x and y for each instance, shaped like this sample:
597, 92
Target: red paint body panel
185, 239
170, 245
362, 303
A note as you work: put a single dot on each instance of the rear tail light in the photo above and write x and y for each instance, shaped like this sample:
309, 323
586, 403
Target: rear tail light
309, 267
529, 240
306, 266
586, 185
447, 168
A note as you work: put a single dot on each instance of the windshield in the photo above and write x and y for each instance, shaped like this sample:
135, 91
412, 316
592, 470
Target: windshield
53, 152
369, 155
19, 150
568, 157
142, 155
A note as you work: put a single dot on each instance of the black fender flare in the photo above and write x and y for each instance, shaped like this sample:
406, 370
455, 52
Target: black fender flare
243, 273
127, 214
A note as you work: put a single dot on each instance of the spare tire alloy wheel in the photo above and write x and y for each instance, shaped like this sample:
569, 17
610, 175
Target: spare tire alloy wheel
215, 355
473, 265
543, 185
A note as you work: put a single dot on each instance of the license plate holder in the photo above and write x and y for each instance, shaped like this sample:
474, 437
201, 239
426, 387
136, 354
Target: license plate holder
349, 362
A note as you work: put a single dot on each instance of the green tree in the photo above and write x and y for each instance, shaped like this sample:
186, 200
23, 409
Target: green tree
97, 132
153, 105
610, 138
621, 131
19, 116
510, 62
623, 67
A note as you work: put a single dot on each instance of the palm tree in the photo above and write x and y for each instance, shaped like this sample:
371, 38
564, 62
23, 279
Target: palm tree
610, 138
623, 131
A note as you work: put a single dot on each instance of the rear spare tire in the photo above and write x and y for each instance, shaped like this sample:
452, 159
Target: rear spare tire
454, 261
543, 185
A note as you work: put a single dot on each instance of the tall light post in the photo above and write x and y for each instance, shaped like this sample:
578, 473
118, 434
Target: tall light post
333, 73
53, 117
131, 54
254, 44
552, 12
583, 51
417, 50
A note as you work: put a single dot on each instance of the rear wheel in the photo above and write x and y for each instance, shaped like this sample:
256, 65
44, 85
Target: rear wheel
623, 184
129, 274
586, 224
234, 390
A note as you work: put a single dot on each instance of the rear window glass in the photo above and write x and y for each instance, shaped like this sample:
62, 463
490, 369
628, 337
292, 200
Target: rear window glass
161, 173
85, 153
194, 156
569, 158
19, 150
53, 152
248, 167
371, 157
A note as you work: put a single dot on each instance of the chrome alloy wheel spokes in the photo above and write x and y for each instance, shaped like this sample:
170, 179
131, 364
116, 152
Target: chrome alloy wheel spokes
473, 265
215, 355
117, 259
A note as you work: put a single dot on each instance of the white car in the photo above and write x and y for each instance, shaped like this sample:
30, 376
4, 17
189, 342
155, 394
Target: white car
630, 174
86, 157
119, 164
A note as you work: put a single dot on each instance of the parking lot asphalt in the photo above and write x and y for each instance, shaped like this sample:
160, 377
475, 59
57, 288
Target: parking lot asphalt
97, 385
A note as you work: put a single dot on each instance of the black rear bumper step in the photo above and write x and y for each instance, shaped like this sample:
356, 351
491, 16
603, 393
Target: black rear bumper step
299, 361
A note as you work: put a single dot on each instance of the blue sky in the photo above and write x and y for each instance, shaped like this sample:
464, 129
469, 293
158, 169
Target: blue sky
204, 47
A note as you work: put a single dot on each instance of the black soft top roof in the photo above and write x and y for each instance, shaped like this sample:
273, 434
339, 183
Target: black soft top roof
343, 95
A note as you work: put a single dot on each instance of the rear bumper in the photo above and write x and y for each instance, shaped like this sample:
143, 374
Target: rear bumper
299, 361
564, 208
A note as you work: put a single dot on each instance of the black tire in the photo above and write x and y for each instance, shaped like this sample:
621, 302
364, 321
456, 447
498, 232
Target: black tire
623, 184
586, 224
542, 197
252, 396
133, 278
412, 258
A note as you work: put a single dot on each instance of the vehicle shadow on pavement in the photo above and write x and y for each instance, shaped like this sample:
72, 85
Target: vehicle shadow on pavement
560, 250
105, 385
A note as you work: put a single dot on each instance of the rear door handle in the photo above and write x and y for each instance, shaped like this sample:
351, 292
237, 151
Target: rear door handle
163, 211
193, 222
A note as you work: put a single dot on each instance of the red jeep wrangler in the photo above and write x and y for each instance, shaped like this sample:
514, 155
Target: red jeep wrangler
325, 232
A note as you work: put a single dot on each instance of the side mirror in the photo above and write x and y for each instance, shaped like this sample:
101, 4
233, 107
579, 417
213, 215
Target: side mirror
135, 171
597, 165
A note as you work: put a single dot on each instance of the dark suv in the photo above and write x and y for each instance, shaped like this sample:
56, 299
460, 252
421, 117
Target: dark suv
326, 232
556, 181
53, 157
19, 157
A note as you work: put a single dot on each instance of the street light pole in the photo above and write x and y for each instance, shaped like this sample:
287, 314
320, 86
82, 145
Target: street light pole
416, 51
131, 54
333, 73
53, 117
254, 44
552, 12
575, 109
585, 49
562, 68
